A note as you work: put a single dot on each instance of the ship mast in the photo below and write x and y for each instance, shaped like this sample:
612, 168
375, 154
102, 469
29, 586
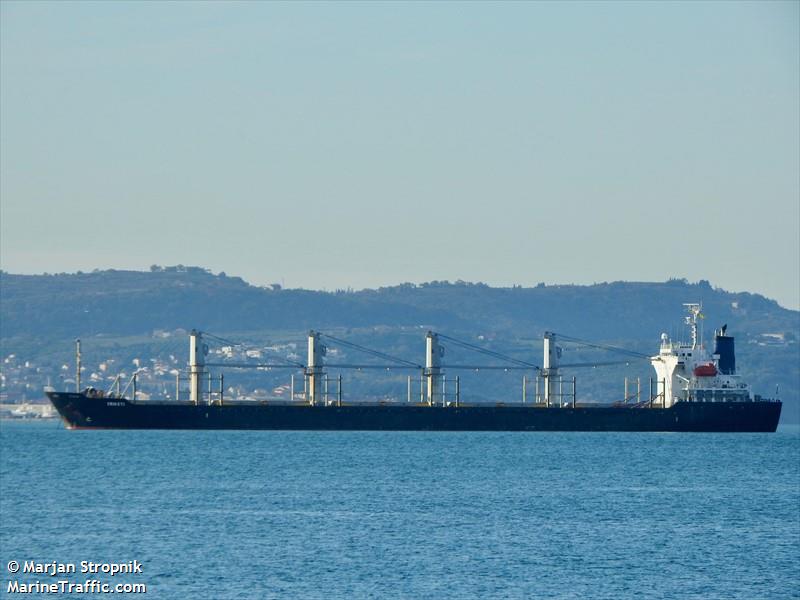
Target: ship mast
549, 365
695, 312
315, 371
197, 360
433, 367
78, 365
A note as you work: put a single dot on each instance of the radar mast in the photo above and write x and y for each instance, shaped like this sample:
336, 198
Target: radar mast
695, 311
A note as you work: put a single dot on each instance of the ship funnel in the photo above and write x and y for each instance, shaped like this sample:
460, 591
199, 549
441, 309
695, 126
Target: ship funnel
723, 346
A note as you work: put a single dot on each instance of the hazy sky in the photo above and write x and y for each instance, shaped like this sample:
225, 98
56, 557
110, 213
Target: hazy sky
335, 145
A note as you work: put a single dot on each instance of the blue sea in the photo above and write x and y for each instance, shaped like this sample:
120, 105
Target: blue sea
407, 515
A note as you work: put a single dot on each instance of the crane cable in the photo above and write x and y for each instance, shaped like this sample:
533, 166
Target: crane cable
290, 363
631, 353
492, 353
376, 353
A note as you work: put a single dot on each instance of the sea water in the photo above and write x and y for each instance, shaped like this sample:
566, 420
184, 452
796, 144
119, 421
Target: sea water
279, 514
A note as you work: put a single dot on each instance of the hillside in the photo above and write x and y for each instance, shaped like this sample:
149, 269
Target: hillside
126, 314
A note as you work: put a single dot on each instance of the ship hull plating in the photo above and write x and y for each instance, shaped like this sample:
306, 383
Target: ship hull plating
79, 411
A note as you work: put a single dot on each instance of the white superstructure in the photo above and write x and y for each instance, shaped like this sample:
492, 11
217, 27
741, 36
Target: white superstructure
688, 372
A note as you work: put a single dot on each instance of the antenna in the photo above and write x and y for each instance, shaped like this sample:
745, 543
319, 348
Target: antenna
78, 365
695, 311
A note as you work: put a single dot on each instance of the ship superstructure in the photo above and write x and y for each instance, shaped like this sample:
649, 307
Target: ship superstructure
688, 372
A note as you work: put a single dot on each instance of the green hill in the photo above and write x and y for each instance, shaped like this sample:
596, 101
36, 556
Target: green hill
127, 315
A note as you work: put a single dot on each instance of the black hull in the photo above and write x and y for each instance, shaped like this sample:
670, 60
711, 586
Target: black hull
81, 412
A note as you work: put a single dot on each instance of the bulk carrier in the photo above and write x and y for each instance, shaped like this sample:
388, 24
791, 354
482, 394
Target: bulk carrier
694, 390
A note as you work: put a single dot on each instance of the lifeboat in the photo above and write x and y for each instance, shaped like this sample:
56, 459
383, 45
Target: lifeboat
707, 370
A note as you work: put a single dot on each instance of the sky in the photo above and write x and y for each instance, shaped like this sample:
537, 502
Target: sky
336, 145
